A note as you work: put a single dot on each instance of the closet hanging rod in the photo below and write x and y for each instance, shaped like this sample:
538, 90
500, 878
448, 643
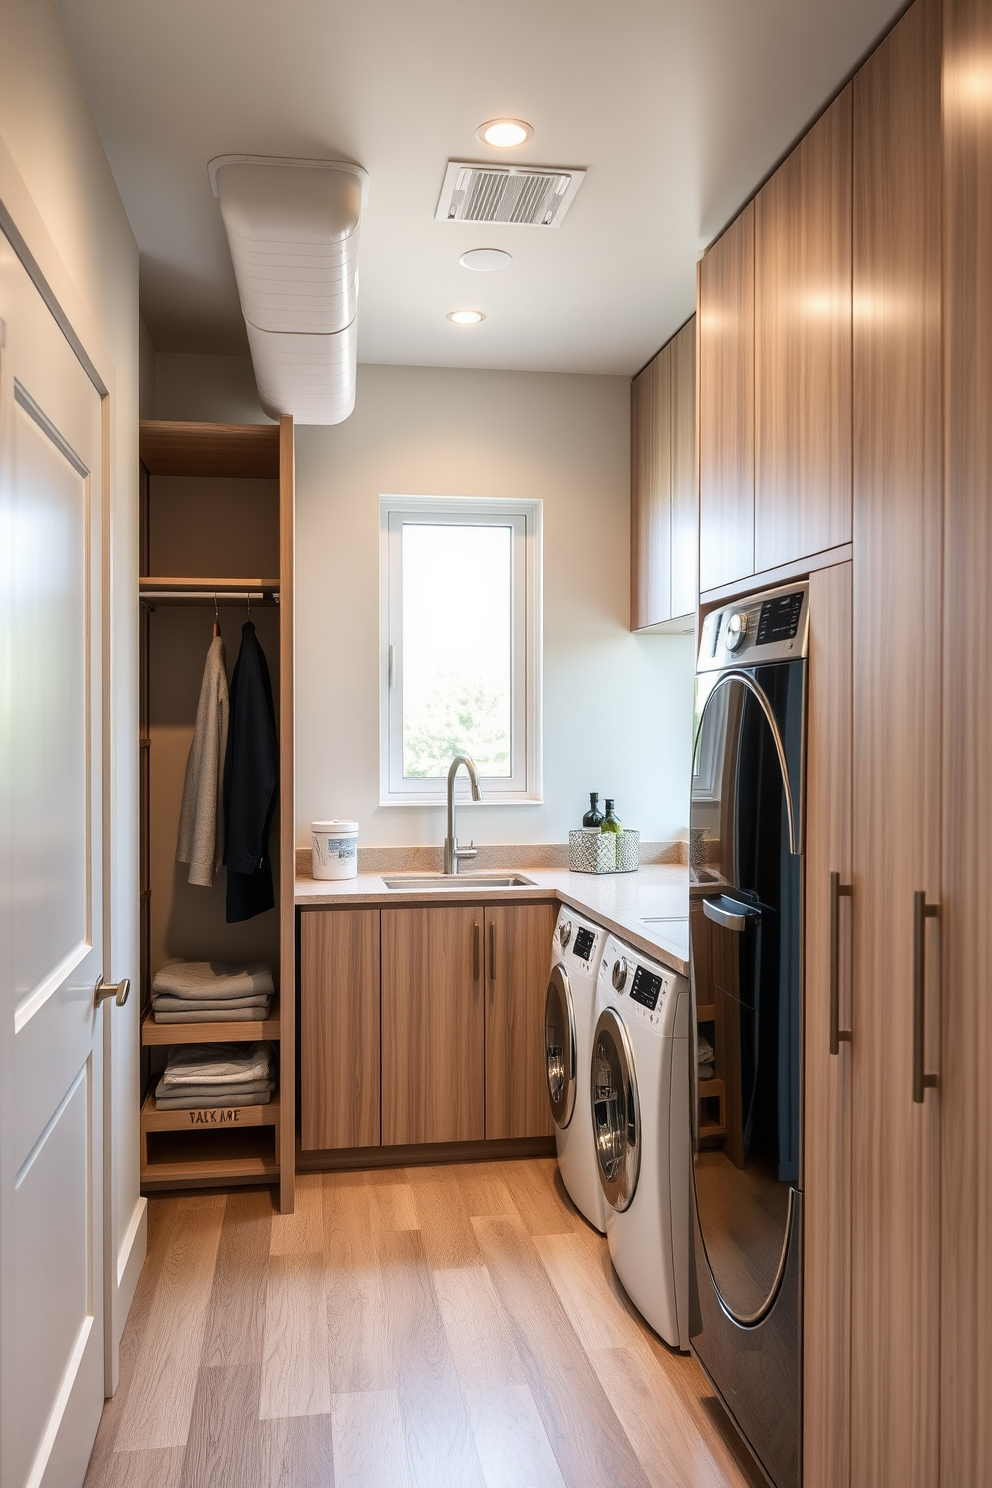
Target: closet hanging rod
152, 597
196, 585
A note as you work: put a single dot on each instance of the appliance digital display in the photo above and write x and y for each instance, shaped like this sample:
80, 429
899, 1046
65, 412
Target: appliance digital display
646, 988
584, 942
779, 619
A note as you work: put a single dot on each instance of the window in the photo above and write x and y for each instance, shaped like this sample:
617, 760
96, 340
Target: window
461, 645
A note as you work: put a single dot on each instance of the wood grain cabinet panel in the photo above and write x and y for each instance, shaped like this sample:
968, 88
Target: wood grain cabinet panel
684, 482
651, 493
966, 1033
895, 1250
518, 952
339, 1028
827, 1086
433, 1025
726, 406
802, 256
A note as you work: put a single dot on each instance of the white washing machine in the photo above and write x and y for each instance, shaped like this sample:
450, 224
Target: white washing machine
569, 1018
639, 1089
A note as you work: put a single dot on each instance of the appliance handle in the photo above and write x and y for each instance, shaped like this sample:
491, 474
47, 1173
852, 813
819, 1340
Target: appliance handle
838, 891
759, 693
922, 911
735, 919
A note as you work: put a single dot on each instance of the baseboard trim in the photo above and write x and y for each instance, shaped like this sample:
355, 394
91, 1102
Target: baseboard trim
424, 1154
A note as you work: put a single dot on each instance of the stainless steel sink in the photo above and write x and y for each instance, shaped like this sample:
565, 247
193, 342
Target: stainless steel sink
457, 881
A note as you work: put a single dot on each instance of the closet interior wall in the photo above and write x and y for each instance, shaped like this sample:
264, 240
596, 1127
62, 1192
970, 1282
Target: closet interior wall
200, 525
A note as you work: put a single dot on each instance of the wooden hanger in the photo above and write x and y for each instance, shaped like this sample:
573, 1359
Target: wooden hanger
216, 619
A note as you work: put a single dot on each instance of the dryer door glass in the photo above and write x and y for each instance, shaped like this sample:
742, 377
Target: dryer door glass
745, 931
616, 1121
559, 1045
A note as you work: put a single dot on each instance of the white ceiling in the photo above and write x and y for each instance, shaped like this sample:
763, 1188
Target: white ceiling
678, 108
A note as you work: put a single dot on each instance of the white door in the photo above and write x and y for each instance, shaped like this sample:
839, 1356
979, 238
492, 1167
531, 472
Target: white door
51, 895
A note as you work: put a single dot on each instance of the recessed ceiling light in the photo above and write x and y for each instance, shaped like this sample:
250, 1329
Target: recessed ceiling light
486, 260
465, 317
504, 133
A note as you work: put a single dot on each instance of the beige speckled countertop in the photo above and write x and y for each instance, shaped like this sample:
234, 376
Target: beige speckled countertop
649, 909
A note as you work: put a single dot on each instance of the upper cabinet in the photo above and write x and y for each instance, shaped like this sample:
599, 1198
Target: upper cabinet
663, 488
802, 346
726, 406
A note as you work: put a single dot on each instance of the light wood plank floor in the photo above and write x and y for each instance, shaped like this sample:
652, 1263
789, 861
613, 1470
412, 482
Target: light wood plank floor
448, 1327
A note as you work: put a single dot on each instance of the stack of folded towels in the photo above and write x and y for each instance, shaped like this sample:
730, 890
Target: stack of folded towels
210, 992
706, 1066
214, 1075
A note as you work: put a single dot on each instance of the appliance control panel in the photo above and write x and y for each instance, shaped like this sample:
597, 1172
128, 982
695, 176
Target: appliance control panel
641, 990
577, 943
758, 628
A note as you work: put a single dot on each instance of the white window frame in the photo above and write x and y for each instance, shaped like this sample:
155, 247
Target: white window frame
525, 786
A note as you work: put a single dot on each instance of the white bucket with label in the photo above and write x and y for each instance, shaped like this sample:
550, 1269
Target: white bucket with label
335, 849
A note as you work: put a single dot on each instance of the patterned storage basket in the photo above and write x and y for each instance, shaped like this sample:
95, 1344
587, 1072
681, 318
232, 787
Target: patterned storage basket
603, 852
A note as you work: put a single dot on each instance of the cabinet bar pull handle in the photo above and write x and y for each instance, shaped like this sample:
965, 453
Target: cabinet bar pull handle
475, 954
838, 1035
922, 911
492, 950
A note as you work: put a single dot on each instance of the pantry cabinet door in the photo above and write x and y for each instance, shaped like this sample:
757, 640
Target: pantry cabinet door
726, 406
684, 485
896, 1256
518, 954
339, 1028
651, 493
802, 335
433, 1025
827, 1058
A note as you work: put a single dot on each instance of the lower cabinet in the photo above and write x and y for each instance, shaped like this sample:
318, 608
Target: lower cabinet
423, 1024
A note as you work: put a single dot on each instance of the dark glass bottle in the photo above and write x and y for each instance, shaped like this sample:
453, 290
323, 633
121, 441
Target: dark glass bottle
611, 822
593, 817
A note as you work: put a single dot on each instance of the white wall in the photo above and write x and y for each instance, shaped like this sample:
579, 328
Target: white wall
617, 707
58, 188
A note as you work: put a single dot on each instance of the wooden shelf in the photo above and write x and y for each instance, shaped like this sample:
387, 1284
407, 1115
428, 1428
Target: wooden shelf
205, 586
177, 448
705, 1012
248, 1032
713, 1090
200, 1118
710, 1088
199, 1159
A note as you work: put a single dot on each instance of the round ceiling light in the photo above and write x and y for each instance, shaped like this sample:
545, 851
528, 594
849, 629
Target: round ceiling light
486, 260
504, 133
465, 317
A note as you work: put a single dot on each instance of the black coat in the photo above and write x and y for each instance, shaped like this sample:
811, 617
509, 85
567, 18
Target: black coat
251, 780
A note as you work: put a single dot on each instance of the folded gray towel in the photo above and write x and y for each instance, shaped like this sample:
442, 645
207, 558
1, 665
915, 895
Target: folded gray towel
220, 1015
210, 1103
707, 1071
205, 1092
170, 1004
704, 1050
216, 1064
213, 979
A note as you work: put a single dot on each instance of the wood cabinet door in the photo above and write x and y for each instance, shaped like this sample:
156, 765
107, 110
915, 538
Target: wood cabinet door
802, 339
966, 1035
827, 1062
895, 1255
726, 406
651, 493
518, 955
339, 1028
684, 484
433, 1025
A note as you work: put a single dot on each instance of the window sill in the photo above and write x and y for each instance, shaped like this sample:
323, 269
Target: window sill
460, 801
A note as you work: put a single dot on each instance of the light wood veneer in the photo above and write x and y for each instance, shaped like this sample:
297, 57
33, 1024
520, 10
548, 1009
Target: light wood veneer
651, 492
339, 1017
518, 937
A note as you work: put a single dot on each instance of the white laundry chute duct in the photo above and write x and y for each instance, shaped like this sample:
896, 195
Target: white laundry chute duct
293, 227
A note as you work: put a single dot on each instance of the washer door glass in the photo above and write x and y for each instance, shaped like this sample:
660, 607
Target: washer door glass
616, 1118
559, 1046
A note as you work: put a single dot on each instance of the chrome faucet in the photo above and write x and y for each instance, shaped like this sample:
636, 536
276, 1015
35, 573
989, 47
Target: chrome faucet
452, 852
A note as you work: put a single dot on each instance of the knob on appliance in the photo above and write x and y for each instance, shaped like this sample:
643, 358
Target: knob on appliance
619, 973
564, 932
736, 630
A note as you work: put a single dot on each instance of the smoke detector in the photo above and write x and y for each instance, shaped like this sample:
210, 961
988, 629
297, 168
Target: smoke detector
524, 195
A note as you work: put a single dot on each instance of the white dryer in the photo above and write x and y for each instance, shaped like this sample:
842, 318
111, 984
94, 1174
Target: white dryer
569, 1018
639, 1088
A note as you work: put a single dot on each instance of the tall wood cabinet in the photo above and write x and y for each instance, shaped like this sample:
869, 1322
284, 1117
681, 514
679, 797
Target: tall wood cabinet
663, 488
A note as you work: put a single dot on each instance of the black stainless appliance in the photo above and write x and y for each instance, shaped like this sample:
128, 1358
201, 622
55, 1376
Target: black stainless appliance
746, 847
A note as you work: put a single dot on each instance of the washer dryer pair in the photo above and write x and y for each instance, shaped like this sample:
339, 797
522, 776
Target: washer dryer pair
640, 1121
569, 1020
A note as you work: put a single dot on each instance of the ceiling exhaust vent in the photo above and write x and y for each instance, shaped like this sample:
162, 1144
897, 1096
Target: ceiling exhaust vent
528, 195
292, 227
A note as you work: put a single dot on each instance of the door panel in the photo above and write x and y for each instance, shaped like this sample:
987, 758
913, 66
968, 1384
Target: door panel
339, 1028
518, 944
802, 339
897, 749
684, 480
51, 880
651, 493
726, 406
433, 1025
